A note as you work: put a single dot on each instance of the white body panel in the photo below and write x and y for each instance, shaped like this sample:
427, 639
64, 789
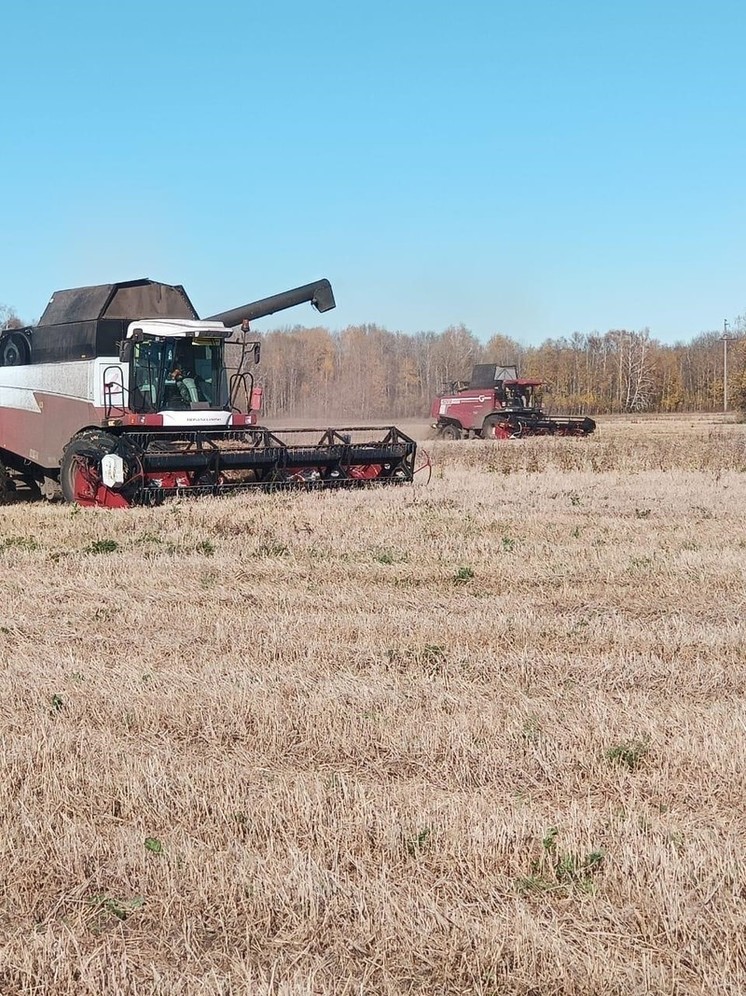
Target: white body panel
23, 388
81, 380
196, 419
43, 405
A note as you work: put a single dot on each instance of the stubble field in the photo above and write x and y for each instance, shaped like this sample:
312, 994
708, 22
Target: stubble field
483, 735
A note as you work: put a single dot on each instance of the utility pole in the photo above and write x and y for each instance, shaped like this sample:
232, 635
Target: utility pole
725, 339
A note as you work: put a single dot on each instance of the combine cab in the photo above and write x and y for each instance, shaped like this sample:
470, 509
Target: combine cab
122, 396
497, 404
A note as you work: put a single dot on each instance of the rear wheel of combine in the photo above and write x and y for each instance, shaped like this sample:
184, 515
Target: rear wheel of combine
14, 350
80, 472
450, 431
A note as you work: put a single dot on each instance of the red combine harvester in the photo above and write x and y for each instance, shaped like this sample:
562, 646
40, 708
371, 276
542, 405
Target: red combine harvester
497, 404
121, 396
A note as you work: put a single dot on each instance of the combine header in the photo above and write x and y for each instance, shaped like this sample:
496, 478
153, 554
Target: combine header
496, 404
121, 396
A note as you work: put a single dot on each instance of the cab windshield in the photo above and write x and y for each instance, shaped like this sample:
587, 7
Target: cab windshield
176, 374
522, 396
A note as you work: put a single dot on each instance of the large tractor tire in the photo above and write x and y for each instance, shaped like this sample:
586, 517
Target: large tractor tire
451, 431
80, 471
15, 350
499, 427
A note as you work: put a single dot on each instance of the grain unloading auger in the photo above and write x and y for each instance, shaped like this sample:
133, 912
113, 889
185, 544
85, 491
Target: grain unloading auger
121, 396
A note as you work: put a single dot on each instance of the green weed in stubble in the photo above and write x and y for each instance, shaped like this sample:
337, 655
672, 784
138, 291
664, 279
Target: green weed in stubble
387, 556
463, 575
149, 537
419, 843
630, 754
531, 730
19, 543
432, 658
639, 563
560, 871
272, 550
205, 548
102, 546
121, 909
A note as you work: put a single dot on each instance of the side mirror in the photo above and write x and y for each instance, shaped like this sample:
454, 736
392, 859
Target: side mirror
125, 350
257, 351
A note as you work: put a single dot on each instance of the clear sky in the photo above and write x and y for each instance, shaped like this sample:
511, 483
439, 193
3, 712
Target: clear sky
532, 168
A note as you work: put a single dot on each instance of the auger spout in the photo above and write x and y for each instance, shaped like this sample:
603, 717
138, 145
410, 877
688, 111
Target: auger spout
319, 293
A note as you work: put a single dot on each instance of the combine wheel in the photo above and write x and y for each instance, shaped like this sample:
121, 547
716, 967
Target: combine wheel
80, 471
450, 431
14, 350
500, 428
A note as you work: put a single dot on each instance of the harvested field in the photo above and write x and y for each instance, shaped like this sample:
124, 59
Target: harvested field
486, 735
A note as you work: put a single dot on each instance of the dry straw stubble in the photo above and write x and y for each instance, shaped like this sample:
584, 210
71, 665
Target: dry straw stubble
485, 736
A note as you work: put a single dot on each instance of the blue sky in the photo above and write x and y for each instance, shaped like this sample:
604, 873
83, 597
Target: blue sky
530, 168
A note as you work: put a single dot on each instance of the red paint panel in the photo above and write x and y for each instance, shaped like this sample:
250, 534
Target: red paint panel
42, 436
469, 408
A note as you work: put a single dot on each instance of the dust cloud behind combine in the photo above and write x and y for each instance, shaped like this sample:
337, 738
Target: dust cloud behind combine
485, 735
419, 429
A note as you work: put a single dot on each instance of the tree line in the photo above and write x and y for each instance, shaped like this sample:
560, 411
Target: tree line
369, 371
